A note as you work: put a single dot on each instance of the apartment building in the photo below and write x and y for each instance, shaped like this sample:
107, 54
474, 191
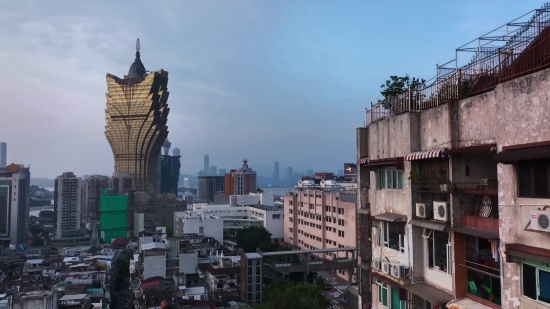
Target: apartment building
320, 215
455, 179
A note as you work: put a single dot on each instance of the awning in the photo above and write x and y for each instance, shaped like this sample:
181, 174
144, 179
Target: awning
391, 217
363, 160
421, 155
517, 252
399, 162
476, 232
515, 155
487, 147
430, 293
465, 303
429, 224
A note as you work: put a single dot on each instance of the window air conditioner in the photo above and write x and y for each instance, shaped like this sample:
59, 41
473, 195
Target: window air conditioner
376, 264
386, 267
540, 220
441, 211
421, 210
398, 271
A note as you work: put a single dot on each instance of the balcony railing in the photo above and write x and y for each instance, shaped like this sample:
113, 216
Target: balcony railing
442, 186
476, 205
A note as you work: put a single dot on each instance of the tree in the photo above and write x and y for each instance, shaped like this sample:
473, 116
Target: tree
284, 295
46, 214
397, 85
37, 241
169, 229
35, 230
123, 263
252, 237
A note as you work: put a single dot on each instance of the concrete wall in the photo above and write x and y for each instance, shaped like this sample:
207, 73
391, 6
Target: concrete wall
211, 227
189, 262
154, 265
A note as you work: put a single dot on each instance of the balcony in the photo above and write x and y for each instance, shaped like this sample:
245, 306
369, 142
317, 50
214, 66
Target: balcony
476, 205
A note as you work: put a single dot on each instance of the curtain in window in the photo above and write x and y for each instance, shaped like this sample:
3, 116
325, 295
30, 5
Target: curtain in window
544, 286
395, 302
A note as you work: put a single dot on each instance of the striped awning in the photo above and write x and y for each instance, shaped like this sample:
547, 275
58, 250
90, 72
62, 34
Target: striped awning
421, 155
363, 160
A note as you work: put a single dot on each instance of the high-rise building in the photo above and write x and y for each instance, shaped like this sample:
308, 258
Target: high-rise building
222, 171
91, 190
137, 112
289, 181
14, 204
169, 174
213, 170
176, 152
276, 174
120, 183
186, 182
309, 173
228, 182
206, 164
3, 154
244, 180
209, 186
67, 203
112, 215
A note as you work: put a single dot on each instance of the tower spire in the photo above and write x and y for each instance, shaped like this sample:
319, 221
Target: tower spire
138, 46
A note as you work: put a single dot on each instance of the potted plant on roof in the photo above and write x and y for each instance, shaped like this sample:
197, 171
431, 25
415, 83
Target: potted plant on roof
415, 175
444, 183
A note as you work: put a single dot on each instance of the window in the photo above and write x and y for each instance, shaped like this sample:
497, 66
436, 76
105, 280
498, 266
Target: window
340, 233
389, 296
290, 230
437, 250
201, 230
389, 179
391, 236
276, 216
536, 280
340, 211
533, 178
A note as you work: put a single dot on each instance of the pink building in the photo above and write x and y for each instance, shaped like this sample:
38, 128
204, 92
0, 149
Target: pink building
321, 218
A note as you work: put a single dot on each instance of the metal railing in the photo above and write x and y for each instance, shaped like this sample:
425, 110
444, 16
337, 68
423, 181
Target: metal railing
524, 49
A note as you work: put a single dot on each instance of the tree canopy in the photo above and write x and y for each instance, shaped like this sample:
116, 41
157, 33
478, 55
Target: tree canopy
252, 237
35, 230
284, 295
397, 85
46, 214
37, 241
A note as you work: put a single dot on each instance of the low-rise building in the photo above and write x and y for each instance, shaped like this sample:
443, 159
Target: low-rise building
35, 299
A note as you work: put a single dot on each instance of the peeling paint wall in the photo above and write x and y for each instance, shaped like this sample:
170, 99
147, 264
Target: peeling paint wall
516, 112
434, 128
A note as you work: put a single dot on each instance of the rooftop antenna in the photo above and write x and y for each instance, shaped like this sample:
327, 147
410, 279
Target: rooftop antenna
138, 45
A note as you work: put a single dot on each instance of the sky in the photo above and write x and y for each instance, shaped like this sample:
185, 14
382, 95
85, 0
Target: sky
269, 80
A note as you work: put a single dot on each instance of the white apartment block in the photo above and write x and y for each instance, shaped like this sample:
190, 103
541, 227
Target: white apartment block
68, 203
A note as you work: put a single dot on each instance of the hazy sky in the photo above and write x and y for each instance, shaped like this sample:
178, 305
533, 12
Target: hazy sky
270, 80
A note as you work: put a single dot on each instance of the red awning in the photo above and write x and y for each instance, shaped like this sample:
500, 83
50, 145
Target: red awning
513, 156
363, 160
429, 154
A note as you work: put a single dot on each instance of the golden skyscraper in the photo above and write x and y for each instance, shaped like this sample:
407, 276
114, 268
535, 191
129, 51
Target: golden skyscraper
136, 115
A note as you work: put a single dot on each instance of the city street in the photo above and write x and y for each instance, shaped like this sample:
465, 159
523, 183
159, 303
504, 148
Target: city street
339, 286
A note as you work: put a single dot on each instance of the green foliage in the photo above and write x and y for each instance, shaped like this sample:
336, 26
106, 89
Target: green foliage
252, 237
123, 263
397, 85
169, 229
415, 175
35, 230
285, 295
46, 214
37, 241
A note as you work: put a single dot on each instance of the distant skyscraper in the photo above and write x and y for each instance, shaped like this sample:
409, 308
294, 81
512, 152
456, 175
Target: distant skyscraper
276, 174
169, 174
176, 152
206, 164
166, 147
67, 203
186, 182
14, 204
137, 112
222, 171
213, 170
3, 154
289, 182
309, 173
91, 190
209, 186
244, 180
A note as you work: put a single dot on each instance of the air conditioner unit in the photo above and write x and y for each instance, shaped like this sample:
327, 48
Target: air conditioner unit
376, 264
386, 267
399, 271
441, 211
421, 210
540, 220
